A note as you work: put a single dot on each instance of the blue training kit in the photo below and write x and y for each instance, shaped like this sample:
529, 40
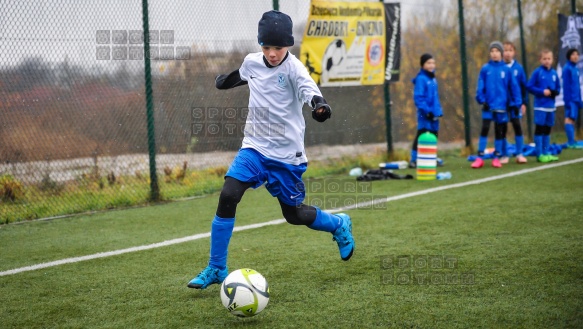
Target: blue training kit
498, 87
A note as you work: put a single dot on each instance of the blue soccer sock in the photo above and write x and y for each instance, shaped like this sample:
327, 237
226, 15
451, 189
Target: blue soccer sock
570, 131
546, 144
325, 221
498, 147
504, 151
413, 155
519, 144
221, 231
538, 141
482, 143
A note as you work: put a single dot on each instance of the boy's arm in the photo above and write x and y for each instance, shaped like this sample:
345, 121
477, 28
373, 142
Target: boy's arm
420, 97
556, 90
532, 87
309, 93
567, 81
516, 97
228, 81
480, 92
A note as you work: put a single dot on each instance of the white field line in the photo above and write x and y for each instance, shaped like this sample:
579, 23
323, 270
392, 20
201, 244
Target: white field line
280, 221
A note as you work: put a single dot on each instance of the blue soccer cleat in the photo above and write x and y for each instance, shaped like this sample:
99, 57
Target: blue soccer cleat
343, 236
208, 276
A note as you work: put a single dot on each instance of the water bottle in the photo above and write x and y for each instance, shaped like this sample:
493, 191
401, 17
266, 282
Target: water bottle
444, 175
393, 165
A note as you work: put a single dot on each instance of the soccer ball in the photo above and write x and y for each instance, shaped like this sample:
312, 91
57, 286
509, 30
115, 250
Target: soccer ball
245, 292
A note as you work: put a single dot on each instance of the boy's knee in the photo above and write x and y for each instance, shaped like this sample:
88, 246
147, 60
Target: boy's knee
299, 215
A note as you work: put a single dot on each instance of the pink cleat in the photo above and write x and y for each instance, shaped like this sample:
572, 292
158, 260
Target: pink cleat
496, 163
478, 163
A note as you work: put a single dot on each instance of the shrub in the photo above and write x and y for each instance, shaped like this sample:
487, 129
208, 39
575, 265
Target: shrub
10, 189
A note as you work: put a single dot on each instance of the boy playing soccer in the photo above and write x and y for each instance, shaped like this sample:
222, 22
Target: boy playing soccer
273, 146
516, 116
544, 84
427, 102
571, 96
497, 92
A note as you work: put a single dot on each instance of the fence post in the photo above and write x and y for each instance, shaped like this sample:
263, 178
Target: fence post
468, 148
154, 189
524, 64
276, 5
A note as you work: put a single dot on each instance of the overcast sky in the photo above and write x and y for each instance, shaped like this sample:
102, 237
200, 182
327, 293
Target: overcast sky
58, 29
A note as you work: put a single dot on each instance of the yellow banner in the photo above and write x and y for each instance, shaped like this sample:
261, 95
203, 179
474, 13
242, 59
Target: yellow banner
344, 43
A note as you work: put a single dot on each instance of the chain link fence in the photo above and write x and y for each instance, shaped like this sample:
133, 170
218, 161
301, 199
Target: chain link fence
73, 133
73, 124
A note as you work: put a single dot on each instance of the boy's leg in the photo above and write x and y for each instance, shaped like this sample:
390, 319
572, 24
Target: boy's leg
413, 161
539, 131
571, 113
221, 232
483, 141
519, 140
500, 135
285, 182
242, 175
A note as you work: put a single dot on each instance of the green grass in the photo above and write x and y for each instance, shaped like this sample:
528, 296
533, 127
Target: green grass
521, 238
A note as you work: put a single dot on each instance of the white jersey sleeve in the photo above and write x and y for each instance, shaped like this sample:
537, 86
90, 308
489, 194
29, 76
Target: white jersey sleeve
305, 85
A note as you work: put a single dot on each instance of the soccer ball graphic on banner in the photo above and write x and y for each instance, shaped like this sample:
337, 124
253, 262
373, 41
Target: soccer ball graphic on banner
245, 292
333, 56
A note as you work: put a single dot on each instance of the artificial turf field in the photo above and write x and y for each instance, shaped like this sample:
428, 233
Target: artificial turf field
502, 253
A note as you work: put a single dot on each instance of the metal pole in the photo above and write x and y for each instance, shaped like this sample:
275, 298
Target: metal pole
276, 5
468, 148
523, 48
573, 7
154, 189
389, 130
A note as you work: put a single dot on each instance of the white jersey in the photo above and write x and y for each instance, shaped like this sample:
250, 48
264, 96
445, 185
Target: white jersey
275, 125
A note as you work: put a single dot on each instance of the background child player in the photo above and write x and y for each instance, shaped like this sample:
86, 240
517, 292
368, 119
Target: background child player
571, 96
279, 85
516, 114
544, 84
427, 102
497, 92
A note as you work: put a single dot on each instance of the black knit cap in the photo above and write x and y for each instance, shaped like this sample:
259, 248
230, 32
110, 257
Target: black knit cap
570, 52
425, 58
275, 29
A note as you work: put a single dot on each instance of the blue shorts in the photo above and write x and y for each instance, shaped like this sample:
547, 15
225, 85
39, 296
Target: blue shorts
515, 115
423, 123
284, 181
543, 118
572, 110
497, 117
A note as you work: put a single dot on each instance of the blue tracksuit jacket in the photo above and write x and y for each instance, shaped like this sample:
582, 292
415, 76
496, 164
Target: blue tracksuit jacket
571, 85
520, 77
541, 79
497, 87
426, 99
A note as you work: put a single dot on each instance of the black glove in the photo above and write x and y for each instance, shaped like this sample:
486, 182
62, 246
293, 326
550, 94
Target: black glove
485, 107
514, 109
554, 93
317, 103
430, 116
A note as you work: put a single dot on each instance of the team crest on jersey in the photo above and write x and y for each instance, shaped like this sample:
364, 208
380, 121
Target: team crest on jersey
554, 78
281, 80
515, 73
502, 74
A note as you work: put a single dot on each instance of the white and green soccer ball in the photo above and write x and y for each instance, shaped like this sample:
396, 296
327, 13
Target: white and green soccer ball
245, 292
